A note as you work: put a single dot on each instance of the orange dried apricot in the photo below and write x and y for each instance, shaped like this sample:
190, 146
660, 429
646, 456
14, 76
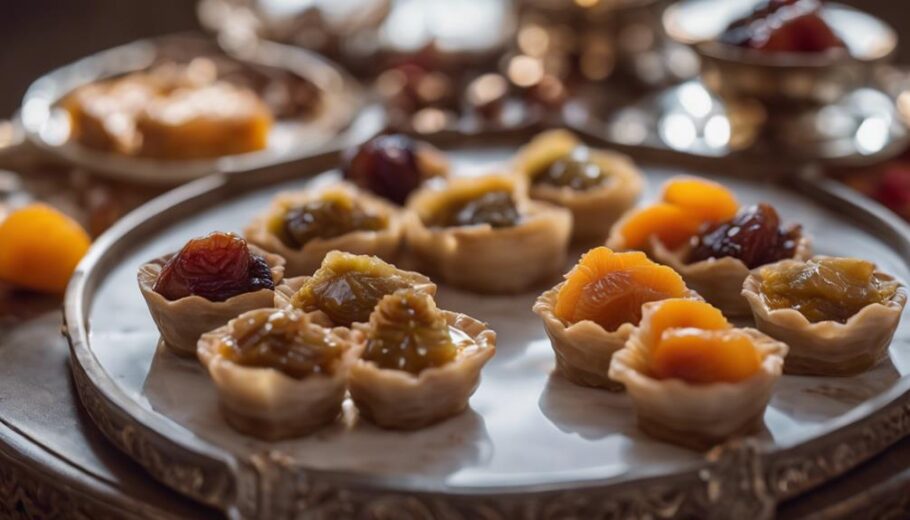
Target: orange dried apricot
694, 342
40, 247
684, 313
609, 288
705, 356
672, 224
707, 200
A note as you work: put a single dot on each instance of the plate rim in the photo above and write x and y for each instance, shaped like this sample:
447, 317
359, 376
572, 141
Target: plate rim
214, 476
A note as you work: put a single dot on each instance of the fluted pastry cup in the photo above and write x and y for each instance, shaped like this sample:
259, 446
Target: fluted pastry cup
595, 210
583, 349
268, 404
181, 322
697, 415
485, 259
384, 243
828, 348
397, 399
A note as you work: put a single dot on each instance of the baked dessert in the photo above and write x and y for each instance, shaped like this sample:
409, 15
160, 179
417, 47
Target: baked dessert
210, 121
419, 364
686, 204
393, 166
483, 234
347, 287
278, 374
303, 226
793, 26
694, 380
838, 315
717, 260
597, 186
169, 112
209, 281
591, 314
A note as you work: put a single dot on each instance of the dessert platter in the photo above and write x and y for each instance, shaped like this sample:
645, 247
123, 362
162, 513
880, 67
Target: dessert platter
174, 108
503, 324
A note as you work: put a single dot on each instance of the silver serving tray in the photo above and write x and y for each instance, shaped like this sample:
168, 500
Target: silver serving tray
531, 446
291, 138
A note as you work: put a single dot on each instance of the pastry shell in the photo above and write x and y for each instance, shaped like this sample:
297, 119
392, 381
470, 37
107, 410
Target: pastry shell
584, 349
266, 403
182, 321
384, 243
400, 400
484, 259
594, 211
828, 348
698, 416
718, 280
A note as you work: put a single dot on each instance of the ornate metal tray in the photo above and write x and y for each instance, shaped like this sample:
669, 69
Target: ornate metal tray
532, 446
295, 134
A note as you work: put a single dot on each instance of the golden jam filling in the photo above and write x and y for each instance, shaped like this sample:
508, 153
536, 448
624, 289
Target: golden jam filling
347, 287
408, 333
825, 288
576, 170
285, 340
330, 216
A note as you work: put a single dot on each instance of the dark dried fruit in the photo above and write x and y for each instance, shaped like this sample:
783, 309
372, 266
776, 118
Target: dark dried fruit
215, 267
386, 165
496, 208
753, 236
347, 287
285, 340
576, 171
784, 26
407, 332
324, 218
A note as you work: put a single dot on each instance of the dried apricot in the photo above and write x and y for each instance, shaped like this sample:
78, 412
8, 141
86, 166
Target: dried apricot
216, 267
671, 224
707, 200
40, 248
705, 356
609, 288
685, 313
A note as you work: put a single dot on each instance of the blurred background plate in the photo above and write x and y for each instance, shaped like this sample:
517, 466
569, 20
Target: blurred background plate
297, 132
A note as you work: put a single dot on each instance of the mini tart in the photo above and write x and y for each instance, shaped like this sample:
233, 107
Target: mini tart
397, 399
697, 415
828, 348
718, 280
584, 348
594, 210
292, 293
265, 402
482, 258
384, 243
182, 321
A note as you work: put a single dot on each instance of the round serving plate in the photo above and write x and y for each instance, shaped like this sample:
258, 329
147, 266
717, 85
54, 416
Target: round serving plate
292, 137
532, 445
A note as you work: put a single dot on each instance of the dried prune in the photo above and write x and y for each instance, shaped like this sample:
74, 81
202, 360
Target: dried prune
215, 267
825, 288
347, 287
496, 208
386, 165
576, 171
407, 332
324, 218
285, 340
754, 236
784, 26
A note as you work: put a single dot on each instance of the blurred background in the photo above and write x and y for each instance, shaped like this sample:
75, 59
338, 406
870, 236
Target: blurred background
39, 35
